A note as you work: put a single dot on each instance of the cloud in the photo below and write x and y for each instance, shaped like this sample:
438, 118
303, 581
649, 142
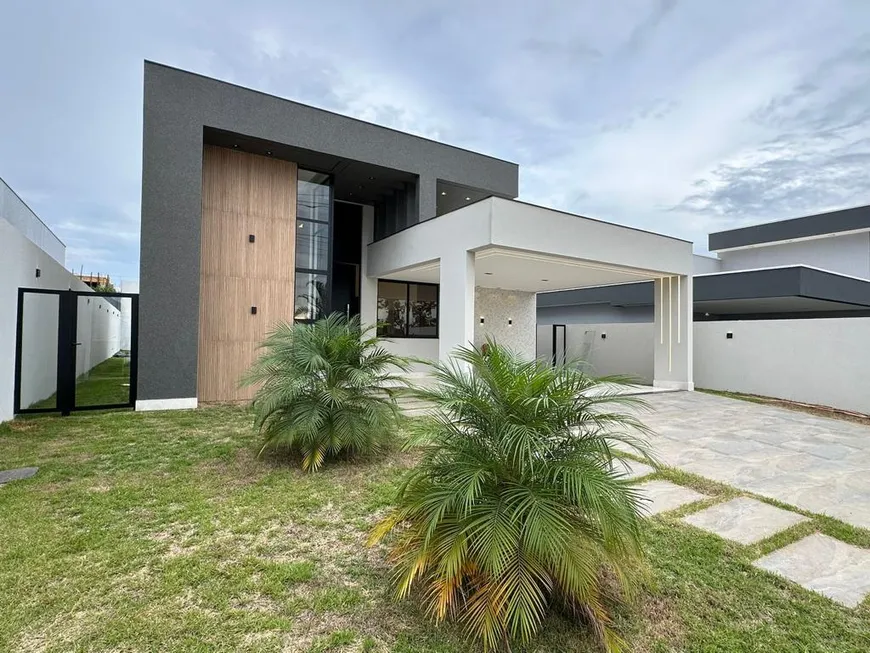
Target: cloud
681, 117
814, 155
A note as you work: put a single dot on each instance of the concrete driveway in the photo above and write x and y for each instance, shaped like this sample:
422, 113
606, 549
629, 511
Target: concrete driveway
815, 463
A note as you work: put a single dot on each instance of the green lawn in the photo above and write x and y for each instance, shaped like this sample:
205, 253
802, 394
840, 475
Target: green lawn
106, 384
164, 532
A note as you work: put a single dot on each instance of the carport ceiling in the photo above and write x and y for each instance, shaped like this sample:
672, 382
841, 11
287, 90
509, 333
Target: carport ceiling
516, 270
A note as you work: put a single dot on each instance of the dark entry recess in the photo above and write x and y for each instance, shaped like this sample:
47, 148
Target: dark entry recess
559, 344
68, 351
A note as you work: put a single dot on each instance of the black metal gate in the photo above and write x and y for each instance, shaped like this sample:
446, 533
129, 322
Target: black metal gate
75, 350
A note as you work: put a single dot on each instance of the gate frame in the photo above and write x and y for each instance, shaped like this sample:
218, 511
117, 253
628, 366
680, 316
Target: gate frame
65, 376
564, 344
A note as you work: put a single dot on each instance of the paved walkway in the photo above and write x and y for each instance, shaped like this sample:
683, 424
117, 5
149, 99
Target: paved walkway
815, 463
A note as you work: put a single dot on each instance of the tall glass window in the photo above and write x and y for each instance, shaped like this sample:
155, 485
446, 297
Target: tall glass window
313, 252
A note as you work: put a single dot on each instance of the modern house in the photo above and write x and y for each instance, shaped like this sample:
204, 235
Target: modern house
809, 267
256, 210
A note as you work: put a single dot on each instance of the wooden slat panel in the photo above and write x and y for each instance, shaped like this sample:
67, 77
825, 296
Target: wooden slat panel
227, 252
242, 194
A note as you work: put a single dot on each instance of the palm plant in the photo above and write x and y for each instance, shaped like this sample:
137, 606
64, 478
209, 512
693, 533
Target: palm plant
516, 506
326, 388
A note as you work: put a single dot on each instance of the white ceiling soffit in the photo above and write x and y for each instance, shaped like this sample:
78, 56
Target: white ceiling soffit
516, 270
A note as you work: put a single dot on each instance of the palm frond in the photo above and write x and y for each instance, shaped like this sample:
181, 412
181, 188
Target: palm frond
325, 389
516, 506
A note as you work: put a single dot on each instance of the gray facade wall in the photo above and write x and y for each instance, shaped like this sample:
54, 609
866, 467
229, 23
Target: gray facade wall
177, 107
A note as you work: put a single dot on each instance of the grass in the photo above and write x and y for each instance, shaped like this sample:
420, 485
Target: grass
164, 531
105, 384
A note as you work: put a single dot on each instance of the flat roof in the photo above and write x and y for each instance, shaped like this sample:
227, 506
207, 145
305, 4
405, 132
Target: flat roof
157, 64
820, 225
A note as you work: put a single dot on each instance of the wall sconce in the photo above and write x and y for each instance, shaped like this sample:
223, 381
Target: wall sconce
481, 319
729, 335
604, 336
253, 310
510, 322
251, 238
38, 273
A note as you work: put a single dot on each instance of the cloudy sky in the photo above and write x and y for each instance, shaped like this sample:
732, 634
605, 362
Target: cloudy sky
681, 116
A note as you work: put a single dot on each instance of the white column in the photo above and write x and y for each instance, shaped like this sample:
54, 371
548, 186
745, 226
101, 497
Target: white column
456, 302
368, 286
673, 333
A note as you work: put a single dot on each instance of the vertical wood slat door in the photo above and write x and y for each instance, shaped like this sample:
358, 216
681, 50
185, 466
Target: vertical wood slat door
242, 195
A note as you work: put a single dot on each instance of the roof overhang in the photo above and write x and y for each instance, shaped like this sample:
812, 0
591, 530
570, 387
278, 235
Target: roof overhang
811, 227
781, 290
521, 246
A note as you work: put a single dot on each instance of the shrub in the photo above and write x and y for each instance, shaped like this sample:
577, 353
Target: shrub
515, 507
327, 389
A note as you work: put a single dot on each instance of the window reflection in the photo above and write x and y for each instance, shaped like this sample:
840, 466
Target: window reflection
407, 310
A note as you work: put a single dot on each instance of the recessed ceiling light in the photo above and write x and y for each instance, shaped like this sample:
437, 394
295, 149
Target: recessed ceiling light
488, 273
467, 199
371, 178
443, 192
268, 152
236, 146
361, 186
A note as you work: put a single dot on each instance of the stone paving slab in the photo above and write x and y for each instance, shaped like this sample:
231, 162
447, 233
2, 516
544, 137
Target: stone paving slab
664, 496
817, 463
744, 520
631, 469
825, 565
17, 474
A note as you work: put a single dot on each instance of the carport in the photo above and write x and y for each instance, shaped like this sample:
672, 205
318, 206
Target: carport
490, 258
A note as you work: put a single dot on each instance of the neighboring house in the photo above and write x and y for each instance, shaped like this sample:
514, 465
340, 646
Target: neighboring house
95, 280
256, 210
815, 266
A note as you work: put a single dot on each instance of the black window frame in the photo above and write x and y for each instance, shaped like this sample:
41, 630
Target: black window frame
327, 272
408, 285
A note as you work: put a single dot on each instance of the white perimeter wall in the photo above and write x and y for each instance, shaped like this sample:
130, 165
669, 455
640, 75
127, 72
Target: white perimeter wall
821, 361
18, 264
627, 349
499, 307
98, 329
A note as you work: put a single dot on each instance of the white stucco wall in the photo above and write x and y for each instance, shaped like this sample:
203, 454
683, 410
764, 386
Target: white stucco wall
424, 348
131, 287
21, 257
497, 307
98, 329
849, 254
821, 361
627, 349
705, 264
